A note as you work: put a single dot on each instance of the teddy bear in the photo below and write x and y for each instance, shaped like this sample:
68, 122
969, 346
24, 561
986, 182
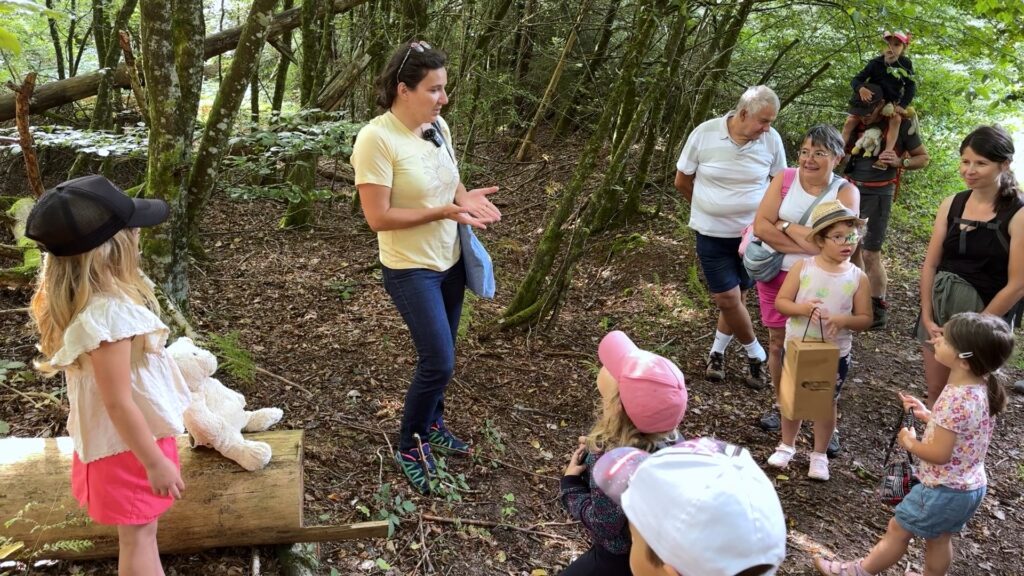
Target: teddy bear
870, 142
216, 416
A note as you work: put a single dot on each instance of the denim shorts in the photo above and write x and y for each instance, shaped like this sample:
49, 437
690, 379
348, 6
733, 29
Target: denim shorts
929, 512
722, 264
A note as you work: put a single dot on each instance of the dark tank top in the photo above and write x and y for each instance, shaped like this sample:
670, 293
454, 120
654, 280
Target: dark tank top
980, 254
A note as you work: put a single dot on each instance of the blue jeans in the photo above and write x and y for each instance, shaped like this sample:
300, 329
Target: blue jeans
430, 302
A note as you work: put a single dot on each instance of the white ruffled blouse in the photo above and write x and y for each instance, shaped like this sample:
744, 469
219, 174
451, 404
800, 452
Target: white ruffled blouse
158, 388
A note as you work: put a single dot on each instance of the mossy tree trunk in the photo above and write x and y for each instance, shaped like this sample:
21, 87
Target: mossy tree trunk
220, 122
540, 291
172, 51
301, 171
281, 75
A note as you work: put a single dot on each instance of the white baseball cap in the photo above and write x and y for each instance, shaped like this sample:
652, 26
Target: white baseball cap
704, 506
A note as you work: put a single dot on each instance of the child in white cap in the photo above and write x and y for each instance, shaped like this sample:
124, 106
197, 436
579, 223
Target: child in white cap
700, 508
643, 399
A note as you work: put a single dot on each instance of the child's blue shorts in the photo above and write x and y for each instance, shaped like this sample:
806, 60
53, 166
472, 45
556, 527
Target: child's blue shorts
931, 512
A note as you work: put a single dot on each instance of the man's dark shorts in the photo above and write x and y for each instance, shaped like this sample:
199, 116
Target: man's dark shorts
722, 265
877, 209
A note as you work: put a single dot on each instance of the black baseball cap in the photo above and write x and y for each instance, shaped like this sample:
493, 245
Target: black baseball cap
81, 214
859, 107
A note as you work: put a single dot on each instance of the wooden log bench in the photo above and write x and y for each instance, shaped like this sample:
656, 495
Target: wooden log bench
223, 505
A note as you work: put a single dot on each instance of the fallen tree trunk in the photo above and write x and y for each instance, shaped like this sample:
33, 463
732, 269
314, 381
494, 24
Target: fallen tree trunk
54, 94
223, 505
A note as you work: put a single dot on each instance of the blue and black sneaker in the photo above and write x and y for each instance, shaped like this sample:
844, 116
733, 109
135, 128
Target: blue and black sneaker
418, 466
444, 442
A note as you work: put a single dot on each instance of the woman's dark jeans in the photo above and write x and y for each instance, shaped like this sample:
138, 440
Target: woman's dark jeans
430, 302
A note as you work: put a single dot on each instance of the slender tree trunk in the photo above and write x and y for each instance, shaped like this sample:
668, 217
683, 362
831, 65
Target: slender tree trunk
301, 171
721, 62
527, 302
58, 51
281, 75
102, 113
221, 120
414, 18
524, 52
254, 93
549, 93
173, 70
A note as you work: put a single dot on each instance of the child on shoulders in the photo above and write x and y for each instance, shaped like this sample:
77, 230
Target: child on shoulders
643, 400
893, 72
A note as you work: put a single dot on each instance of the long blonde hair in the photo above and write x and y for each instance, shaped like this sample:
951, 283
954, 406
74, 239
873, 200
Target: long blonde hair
614, 429
66, 284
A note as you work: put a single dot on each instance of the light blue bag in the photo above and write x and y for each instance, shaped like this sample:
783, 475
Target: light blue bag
479, 268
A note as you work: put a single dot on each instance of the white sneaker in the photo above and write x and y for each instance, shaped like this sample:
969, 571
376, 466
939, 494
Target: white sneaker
818, 469
783, 454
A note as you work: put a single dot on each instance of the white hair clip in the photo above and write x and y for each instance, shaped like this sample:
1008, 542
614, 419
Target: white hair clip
965, 355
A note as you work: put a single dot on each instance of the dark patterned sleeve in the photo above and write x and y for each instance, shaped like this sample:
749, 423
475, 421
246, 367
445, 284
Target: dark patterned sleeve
599, 514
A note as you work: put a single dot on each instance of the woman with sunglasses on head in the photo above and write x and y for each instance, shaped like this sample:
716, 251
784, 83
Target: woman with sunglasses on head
411, 194
783, 222
975, 258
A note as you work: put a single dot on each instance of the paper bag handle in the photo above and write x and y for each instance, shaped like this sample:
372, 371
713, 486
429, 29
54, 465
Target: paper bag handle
821, 326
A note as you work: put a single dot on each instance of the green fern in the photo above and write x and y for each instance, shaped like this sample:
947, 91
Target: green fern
235, 359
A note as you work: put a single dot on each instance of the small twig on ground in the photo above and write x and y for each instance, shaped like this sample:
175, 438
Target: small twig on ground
425, 548
514, 467
522, 408
14, 311
282, 379
28, 395
255, 562
489, 524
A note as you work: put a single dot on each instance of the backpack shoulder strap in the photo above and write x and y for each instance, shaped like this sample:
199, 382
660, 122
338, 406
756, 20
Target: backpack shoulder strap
788, 175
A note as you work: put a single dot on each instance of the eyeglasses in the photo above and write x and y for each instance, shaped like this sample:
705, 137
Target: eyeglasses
417, 46
818, 154
851, 238
432, 135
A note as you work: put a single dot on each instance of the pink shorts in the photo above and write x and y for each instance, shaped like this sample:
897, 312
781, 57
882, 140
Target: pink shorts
115, 490
766, 293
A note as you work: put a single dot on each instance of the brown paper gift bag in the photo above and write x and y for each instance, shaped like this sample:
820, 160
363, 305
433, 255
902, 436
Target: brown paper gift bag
808, 379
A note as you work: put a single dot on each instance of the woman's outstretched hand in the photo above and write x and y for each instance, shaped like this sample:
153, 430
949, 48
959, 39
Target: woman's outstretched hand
478, 211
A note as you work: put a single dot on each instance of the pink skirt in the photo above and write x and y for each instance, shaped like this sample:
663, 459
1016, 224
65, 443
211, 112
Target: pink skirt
115, 490
766, 293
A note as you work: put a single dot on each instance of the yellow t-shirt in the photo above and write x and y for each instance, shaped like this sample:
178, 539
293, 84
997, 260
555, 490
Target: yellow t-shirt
420, 175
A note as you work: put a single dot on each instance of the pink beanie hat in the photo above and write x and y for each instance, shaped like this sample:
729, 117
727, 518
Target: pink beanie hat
651, 387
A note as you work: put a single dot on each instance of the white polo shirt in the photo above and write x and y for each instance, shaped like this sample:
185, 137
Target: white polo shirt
730, 179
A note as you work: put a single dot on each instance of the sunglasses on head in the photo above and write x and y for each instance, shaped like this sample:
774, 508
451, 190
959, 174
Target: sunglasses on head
417, 46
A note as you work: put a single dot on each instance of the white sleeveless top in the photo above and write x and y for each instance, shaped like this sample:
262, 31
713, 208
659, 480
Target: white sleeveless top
795, 204
158, 388
835, 290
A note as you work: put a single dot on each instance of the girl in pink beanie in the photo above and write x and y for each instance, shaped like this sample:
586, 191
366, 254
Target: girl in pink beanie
643, 400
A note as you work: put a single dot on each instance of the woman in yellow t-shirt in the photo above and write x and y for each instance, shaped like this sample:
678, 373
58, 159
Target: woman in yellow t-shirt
412, 196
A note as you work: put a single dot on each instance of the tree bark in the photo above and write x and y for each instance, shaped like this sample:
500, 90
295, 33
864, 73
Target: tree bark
173, 71
226, 505
721, 63
221, 120
337, 89
281, 76
28, 149
54, 94
58, 50
133, 74
556, 76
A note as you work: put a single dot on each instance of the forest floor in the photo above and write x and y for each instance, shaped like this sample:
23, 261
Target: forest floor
310, 307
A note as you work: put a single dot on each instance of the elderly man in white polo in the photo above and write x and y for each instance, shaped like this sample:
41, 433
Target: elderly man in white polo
723, 172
